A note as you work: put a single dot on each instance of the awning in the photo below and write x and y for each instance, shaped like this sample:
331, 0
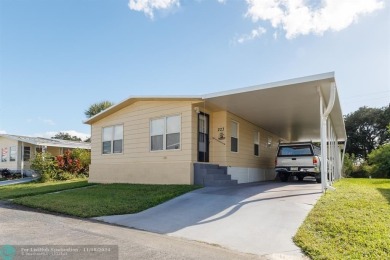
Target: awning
289, 108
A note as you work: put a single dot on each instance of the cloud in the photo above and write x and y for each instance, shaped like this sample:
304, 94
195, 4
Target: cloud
50, 134
222, 1
297, 17
3, 132
255, 33
148, 6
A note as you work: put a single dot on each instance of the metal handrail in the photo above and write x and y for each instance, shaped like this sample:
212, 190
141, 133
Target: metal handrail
218, 140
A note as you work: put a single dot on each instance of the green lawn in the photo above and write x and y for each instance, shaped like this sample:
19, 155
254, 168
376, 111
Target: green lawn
35, 188
352, 222
106, 199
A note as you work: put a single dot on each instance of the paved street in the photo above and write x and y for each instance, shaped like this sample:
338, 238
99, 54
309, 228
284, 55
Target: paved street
19, 226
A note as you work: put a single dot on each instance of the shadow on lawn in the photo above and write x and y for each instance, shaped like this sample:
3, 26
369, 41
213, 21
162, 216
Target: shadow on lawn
385, 193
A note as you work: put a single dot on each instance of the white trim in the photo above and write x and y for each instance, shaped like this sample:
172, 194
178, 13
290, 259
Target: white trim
247, 174
323, 76
165, 117
112, 139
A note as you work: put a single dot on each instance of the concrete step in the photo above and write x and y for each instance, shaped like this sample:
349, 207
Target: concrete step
220, 183
217, 176
215, 171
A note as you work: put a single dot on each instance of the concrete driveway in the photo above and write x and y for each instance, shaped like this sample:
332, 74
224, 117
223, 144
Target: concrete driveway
257, 218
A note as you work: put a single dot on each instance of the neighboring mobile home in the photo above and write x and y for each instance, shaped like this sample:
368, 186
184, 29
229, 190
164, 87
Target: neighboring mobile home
178, 140
16, 151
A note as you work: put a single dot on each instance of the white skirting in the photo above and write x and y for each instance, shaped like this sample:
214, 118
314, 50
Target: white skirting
245, 175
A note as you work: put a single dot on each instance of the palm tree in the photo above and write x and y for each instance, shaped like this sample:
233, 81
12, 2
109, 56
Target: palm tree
97, 108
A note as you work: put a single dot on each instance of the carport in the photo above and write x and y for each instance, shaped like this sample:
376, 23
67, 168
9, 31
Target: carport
301, 109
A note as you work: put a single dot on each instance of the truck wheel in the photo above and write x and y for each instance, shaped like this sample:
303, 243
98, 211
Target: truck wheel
284, 176
318, 180
300, 178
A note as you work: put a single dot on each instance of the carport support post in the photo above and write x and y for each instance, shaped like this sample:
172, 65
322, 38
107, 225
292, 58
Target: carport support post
324, 137
22, 159
324, 151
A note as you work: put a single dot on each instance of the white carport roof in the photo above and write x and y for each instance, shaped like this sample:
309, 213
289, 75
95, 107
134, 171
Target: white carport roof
289, 108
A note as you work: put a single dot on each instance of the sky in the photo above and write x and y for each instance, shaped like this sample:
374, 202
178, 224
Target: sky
57, 57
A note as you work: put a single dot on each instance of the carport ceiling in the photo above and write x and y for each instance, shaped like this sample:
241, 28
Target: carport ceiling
290, 108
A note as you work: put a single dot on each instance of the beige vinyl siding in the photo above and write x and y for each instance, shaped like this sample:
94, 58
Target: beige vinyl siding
7, 143
54, 150
137, 163
218, 149
136, 122
245, 156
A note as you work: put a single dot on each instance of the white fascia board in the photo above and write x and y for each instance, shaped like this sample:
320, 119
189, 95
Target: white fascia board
317, 77
141, 98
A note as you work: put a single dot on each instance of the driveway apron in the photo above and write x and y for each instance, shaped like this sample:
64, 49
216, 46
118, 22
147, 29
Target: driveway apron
257, 218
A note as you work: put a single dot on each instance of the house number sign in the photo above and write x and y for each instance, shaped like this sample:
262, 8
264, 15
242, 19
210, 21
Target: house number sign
221, 133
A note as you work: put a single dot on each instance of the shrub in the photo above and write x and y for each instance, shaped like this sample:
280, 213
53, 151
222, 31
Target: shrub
379, 160
84, 157
348, 164
74, 162
45, 165
65, 176
354, 167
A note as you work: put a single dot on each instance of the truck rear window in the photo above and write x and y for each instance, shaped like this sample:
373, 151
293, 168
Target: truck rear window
298, 150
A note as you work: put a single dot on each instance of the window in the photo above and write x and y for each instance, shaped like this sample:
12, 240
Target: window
12, 153
112, 139
165, 133
256, 142
296, 150
26, 153
234, 137
4, 154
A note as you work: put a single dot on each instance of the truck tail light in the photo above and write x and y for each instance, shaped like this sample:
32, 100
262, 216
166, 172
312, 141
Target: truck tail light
315, 160
276, 161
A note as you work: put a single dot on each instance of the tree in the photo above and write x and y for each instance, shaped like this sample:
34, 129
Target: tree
66, 136
96, 108
366, 130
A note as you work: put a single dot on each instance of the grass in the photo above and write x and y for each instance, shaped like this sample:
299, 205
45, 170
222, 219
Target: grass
35, 188
349, 223
106, 199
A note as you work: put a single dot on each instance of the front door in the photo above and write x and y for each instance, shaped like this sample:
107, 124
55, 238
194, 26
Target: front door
203, 137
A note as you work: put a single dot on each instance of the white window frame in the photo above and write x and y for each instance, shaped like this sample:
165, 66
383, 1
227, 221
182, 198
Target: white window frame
231, 136
23, 155
112, 139
165, 118
256, 133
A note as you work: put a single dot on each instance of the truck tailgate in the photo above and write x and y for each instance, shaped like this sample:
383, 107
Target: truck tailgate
295, 161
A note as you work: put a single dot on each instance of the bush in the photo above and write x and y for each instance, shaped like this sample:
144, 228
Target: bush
63, 176
74, 162
45, 165
379, 161
348, 164
354, 167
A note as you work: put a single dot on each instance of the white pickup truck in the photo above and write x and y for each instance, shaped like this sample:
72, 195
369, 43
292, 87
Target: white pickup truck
298, 159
